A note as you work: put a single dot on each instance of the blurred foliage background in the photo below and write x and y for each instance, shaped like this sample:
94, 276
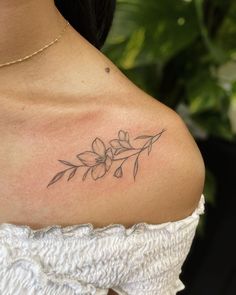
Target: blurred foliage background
183, 53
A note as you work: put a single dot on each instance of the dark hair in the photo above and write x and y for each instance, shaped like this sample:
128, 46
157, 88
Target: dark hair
91, 18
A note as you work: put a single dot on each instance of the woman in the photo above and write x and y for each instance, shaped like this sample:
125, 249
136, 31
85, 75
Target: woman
101, 184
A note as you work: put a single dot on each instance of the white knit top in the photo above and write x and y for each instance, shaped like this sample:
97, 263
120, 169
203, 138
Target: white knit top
145, 259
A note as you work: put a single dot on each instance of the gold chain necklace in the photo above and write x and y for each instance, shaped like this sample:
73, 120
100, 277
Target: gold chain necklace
36, 52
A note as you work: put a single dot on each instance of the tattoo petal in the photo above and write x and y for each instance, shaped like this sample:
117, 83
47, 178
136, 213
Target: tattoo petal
109, 153
126, 136
125, 144
121, 135
99, 147
98, 171
108, 163
118, 173
115, 143
88, 158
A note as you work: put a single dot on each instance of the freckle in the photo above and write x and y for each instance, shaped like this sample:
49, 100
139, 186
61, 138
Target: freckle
107, 70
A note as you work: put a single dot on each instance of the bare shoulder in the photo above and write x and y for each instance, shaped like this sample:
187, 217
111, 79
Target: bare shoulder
138, 154
114, 156
120, 158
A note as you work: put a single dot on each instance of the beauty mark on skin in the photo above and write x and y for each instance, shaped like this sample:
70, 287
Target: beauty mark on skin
100, 158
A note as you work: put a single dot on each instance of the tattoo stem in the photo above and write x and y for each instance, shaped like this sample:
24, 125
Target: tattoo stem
125, 158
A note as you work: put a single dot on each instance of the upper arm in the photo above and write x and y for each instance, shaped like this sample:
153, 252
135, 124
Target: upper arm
183, 169
180, 172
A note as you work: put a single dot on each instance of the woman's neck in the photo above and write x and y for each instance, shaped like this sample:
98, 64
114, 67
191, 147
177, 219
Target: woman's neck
26, 26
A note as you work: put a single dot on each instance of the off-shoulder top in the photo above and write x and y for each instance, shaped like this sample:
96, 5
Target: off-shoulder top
145, 259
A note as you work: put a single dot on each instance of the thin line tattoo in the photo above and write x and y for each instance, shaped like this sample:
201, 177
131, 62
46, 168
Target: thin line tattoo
100, 158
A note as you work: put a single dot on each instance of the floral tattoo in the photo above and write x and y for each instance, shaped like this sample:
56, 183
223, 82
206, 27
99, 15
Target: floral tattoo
100, 158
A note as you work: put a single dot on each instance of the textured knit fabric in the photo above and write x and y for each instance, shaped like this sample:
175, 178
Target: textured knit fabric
145, 259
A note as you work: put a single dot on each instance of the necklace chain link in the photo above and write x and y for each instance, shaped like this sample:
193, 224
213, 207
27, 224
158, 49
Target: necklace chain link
38, 51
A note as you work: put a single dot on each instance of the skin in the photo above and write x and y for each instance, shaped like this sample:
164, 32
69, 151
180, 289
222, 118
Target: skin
54, 105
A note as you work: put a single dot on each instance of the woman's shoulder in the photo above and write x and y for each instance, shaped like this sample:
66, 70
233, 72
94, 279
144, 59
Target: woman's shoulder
148, 160
121, 157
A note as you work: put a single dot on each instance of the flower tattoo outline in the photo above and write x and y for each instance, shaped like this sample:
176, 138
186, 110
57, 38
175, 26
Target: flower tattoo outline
100, 158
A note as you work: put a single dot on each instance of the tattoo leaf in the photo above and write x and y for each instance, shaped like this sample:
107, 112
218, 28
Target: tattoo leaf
156, 137
72, 174
143, 137
66, 163
135, 167
147, 144
86, 173
119, 151
57, 177
149, 149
